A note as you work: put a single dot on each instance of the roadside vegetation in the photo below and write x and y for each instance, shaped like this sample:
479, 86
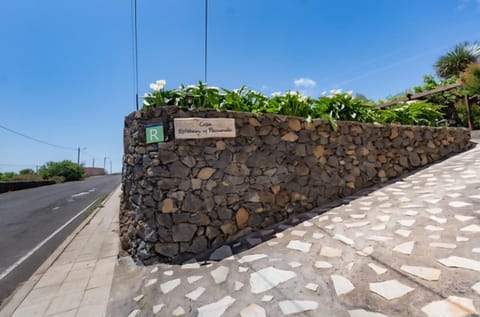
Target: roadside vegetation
446, 108
60, 172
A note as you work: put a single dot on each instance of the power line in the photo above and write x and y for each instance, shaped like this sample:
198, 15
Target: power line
37, 140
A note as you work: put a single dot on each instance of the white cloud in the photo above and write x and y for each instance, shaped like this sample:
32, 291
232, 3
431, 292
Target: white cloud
463, 4
304, 82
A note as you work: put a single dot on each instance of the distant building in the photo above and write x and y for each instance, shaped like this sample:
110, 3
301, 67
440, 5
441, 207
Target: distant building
94, 171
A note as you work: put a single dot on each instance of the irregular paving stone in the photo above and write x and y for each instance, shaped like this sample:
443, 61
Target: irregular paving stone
405, 248
366, 251
150, 282
330, 252
169, 286
312, 286
267, 298
471, 228
403, 232
438, 219
238, 285
364, 313
343, 239
379, 238
427, 273
443, 245
194, 278
157, 308
251, 258
458, 204
192, 265
357, 224
299, 245
341, 284
377, 269
323, 265
453, 306
138, 298
433, 228
406, 222
217, 308
268, 278
298, 233
463, 218
253, 310
179, 311
461, 262
134, 313
220, 274
289, 307
294, 264
476, 288
390, 289
195, 294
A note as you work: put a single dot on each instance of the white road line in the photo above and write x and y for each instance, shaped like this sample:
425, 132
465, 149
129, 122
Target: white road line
80, 194
26, 256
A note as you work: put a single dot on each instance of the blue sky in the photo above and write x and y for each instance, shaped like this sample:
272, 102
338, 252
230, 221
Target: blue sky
66, 71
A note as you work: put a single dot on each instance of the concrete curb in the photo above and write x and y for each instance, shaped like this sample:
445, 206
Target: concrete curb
21, 292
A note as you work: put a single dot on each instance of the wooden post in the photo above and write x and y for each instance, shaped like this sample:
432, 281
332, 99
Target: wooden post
469, 114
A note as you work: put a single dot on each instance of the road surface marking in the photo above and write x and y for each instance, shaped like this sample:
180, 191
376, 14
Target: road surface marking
55, 208
26, 256
80, 194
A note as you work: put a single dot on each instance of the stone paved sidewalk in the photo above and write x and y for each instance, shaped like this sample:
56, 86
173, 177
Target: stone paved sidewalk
410, 248
78, 282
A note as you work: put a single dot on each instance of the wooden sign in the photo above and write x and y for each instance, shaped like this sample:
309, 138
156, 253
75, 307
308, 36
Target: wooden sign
202, 128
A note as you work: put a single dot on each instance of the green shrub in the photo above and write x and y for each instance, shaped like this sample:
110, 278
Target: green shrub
462, 114
7, 176
412, 113
336, 106
67, 169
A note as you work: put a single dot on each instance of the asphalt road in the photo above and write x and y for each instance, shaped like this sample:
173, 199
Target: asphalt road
29, 217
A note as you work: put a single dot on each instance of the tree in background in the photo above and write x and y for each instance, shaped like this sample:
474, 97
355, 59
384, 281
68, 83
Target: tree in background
457, 60
67, 170
26, 171
471, 79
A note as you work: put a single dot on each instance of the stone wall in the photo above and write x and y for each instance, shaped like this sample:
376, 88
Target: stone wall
184, 197
19, 185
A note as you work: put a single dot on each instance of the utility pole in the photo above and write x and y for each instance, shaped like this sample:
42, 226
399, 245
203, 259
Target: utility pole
93, 162
206, 40
78, 157
110, 167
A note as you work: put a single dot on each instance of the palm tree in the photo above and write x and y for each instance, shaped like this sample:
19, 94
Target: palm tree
456, 61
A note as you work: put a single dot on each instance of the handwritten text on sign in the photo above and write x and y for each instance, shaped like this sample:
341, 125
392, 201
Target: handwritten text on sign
201, 128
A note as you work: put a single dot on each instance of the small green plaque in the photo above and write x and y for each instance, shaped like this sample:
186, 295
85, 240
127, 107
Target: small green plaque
154, 133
